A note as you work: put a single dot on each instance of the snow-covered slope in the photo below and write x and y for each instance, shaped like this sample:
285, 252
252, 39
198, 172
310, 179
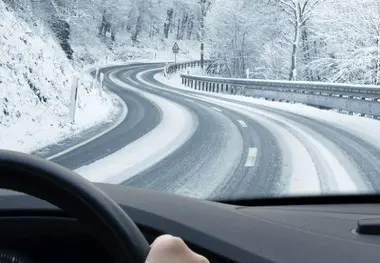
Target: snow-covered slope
35, 83
90, 48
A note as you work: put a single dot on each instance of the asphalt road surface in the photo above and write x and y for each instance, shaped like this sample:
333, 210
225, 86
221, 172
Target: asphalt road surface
236, 149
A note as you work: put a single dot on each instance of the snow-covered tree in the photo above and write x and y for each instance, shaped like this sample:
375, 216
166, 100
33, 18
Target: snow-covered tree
299, 12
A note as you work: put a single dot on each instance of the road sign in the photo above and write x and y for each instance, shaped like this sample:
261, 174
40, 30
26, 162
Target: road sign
175, 48
175, 51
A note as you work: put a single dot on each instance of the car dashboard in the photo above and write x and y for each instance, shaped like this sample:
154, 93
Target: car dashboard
57, 238
32, 230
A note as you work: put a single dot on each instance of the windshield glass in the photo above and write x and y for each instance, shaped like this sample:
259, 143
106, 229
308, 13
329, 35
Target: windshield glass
213, 99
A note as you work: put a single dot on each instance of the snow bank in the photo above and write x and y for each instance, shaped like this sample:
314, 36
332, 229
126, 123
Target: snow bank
35, 83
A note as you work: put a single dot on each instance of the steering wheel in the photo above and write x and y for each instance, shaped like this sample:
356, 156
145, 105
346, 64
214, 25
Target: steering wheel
79, 198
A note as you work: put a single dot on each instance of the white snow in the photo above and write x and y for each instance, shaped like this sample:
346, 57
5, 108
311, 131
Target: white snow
94, 50
215, 173
35, 83
297, 161
176, 127
366, 128
300, 150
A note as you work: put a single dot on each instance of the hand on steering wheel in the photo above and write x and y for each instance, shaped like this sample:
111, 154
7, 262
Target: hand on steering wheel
93, 208
169, 249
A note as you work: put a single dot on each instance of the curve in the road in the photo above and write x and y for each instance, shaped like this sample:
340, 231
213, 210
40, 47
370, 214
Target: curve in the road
212, 163
142, 117
238, 149
356, 156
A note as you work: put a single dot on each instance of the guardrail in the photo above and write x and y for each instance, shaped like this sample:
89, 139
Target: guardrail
172, 68
362, 99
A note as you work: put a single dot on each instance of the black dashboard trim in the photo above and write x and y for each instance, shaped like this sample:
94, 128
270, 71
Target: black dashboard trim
305, 200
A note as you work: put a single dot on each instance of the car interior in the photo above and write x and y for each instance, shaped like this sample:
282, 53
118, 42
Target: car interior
53, 215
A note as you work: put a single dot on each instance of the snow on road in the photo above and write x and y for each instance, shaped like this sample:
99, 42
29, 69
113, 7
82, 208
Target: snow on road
311, 164
340, 179
296, 162
176, 127
366, 128
206, 176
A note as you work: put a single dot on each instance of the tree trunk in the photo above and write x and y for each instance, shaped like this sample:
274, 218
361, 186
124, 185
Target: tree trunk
178, 29
168, 22
293, 68
183, 25
190, 27
306, 53
202, 29
137, 29
377, 68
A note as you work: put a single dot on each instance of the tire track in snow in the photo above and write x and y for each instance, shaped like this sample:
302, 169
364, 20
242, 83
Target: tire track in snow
202, 163
355, 153
176, 127
262, 179
356, 156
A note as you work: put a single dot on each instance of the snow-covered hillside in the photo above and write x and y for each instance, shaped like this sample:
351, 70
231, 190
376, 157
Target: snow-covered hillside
35, 83
96, 51
90, 48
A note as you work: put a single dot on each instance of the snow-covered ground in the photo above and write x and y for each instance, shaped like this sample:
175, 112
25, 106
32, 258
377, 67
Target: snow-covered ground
35, 85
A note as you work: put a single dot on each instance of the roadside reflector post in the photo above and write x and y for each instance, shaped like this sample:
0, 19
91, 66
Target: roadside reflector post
101, 84
94, 82
73, 99
166, 70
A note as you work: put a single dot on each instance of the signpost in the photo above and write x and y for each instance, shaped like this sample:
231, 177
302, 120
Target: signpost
175, 51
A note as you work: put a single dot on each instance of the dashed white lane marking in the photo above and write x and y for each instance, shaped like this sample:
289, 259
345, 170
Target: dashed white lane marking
190, 100
251, 158
242, 123
217, 109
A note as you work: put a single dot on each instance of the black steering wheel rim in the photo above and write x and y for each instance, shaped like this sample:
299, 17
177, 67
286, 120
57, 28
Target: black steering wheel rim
79, 198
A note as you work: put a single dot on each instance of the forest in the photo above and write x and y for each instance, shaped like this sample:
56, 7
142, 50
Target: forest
310, 40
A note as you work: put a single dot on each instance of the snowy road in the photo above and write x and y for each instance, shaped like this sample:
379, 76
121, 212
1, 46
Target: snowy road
142, 117
213, 162
231, 148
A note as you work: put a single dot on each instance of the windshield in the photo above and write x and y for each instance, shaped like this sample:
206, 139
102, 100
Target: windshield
212, 99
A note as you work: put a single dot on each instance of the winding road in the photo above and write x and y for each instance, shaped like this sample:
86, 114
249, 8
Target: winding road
230, 149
